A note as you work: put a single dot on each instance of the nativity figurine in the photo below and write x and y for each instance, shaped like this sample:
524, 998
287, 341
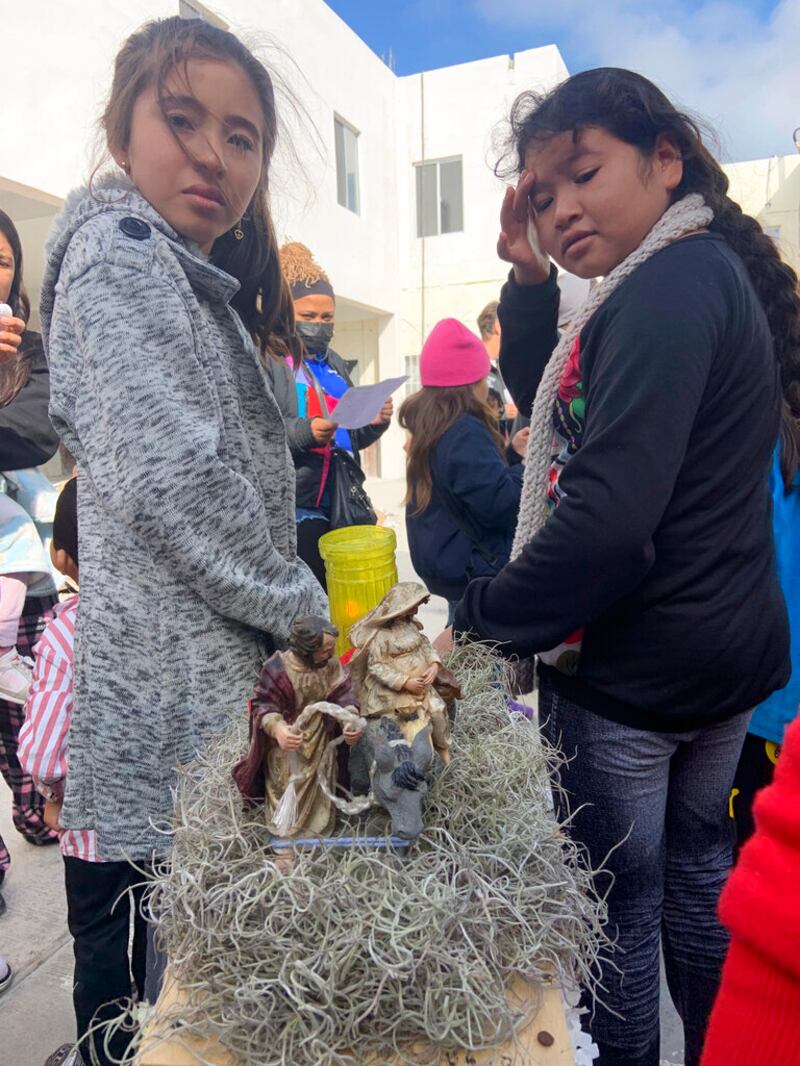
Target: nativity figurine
398, 672
289, 764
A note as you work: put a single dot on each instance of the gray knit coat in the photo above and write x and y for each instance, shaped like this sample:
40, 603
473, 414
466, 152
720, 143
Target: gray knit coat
186, 508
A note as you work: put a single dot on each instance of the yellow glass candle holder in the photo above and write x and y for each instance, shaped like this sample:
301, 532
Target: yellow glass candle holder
360, 568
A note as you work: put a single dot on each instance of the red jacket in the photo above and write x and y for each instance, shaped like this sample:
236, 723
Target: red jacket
756, 1019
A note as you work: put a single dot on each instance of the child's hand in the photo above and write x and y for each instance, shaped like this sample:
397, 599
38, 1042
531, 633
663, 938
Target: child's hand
52, 815
287, 738
519, 442
11, 330
518, 242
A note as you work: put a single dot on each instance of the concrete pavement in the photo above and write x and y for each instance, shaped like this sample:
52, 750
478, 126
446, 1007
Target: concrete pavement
36, 1012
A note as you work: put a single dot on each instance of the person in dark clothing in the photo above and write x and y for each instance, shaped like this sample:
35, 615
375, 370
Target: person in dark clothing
643, 572
489, 328
307, 387
27, 439
462, 496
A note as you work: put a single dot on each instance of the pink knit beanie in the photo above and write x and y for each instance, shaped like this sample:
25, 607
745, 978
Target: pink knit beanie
452, 355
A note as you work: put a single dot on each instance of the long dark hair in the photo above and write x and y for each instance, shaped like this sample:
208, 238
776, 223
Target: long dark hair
147, 58
427, 415
15, 372
635, 111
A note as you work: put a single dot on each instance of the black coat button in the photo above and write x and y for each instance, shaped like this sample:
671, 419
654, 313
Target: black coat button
134, 227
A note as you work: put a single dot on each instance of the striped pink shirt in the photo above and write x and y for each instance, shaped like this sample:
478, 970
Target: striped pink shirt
43, 739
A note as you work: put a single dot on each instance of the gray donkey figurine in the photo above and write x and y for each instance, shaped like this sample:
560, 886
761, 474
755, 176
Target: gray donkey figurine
399, 783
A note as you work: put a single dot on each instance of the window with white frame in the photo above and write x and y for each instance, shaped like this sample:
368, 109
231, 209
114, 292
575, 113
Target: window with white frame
412, 373
775, 233
192, 9
440, 197
347, 191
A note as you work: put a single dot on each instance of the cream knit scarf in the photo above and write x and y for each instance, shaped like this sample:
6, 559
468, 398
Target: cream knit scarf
683, 217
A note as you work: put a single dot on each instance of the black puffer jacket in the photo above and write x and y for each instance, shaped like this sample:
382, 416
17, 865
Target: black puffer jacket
309, 463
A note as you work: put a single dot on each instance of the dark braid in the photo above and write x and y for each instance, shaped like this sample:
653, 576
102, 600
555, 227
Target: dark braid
635, 111
776, 285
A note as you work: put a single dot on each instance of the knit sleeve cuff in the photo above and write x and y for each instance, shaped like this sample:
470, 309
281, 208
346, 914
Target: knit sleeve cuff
530, 297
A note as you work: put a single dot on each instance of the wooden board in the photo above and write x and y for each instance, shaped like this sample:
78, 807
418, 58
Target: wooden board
159, 1049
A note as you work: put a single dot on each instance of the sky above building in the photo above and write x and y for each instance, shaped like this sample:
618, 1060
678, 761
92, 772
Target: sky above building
735, 63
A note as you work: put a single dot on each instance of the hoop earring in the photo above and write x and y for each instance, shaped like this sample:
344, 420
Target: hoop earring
238, 232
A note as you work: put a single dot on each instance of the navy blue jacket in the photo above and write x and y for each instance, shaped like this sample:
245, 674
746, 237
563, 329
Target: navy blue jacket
470, 474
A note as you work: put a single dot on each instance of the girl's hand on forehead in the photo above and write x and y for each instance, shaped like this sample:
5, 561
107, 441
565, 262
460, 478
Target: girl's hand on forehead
518, 242
11, 330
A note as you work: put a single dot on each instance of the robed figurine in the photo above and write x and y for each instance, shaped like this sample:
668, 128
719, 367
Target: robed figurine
291, 769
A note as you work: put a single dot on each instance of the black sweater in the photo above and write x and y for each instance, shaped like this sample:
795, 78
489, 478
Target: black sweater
27, 437
661, 547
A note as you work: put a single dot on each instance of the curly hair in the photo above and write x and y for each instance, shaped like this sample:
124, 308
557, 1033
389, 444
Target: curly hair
635, 111
299, 265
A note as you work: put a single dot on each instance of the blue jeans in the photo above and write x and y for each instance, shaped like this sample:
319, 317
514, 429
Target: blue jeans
660, 801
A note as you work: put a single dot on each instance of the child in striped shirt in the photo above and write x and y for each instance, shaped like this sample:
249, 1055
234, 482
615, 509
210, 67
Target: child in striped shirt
48, 708
98, 901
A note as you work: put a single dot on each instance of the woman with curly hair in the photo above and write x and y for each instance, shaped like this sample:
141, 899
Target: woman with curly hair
308, 384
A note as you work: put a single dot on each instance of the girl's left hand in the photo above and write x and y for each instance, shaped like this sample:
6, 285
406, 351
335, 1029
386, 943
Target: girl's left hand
444, 642
385, 417
11, 330
519, 442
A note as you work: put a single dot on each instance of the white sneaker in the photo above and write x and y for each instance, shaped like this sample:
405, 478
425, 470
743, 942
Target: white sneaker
16, 675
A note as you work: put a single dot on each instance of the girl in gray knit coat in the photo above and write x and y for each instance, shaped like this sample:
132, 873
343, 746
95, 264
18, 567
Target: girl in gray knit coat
162, 287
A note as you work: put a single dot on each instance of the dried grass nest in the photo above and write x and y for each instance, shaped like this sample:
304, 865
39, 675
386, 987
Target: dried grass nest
370, 951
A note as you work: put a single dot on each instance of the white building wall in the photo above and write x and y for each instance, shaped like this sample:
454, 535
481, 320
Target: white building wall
769, 190
456, 111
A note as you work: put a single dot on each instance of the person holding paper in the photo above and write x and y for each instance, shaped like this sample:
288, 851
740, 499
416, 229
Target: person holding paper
307, 387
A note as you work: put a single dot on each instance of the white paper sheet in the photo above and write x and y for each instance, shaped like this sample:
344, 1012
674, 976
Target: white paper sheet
361, 404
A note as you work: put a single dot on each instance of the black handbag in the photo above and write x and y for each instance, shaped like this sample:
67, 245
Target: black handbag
349, 502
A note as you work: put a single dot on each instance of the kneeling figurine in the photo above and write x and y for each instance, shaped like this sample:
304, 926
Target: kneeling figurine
284, 763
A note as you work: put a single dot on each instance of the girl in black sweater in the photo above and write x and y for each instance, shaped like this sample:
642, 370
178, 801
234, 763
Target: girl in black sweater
643, 573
